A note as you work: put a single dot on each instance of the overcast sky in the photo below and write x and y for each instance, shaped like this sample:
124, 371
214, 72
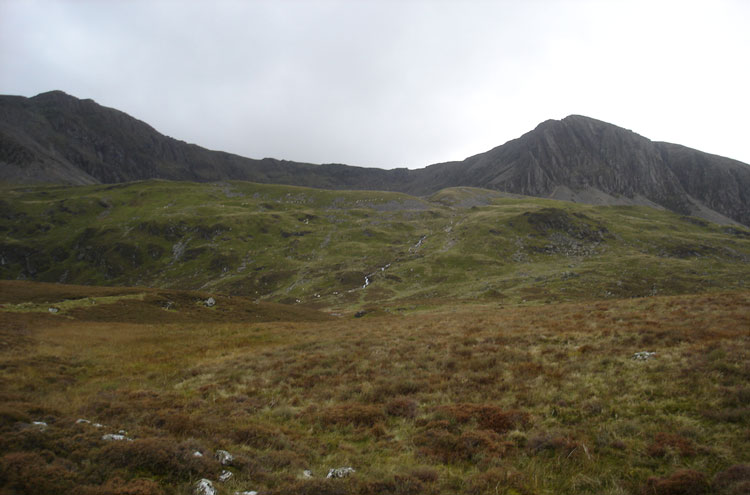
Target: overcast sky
390, 83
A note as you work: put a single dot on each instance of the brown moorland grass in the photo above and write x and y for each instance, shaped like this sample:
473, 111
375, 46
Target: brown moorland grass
480, 399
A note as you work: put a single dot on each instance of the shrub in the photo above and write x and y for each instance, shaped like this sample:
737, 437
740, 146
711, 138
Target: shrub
397, 485
157, 456
438, 443
10, 415
489, 417
176, 422
561, 444
663, 442
683, 482
278, 459
260, 437
316, 487
403, 407
116, 486
450, 447
728, 414
352, 414
733, 481
35, 474
425, 474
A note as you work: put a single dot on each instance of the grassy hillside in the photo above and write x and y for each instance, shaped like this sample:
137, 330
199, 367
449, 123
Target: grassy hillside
546, 399
321, 248
511, 346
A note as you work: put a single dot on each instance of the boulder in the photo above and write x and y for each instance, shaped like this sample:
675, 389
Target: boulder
114, 437
224, 457
341, 472
204, 487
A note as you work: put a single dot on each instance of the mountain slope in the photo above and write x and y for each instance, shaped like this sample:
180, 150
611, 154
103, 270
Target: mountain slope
349, 250
585, 160
57, 138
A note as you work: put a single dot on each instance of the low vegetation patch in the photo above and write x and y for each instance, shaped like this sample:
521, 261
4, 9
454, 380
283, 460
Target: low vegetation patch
518, 399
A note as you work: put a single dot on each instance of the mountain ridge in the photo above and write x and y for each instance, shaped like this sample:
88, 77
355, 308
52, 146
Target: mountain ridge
58, 138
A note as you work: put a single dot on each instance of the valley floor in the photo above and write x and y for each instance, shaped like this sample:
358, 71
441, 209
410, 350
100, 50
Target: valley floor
541, 399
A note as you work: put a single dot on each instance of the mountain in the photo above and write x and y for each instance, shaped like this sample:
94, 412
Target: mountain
57, 138
585, 160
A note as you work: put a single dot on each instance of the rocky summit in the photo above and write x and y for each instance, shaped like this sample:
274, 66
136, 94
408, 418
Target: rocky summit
57, 138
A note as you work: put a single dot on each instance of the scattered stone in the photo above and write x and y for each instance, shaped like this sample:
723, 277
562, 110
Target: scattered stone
643, 355
307, 473
122, 432
41, 424
53, 310
246, 493
197, 454
81, 421
205, 487
109, 437
341, 472
225, 476
360, 314
98, 425
210, 302
224, 457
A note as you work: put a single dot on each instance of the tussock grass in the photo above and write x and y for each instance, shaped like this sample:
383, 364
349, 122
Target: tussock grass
479, 399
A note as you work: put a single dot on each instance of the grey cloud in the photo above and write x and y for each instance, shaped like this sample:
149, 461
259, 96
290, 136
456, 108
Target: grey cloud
374, 83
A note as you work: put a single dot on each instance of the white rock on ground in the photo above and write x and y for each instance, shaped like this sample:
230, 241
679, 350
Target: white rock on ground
225, 476
210, 302
246, 493
41, 424
81, 421
109, 437
204, 487
307, 473
643, 355
197, 454
224, 457
341, 472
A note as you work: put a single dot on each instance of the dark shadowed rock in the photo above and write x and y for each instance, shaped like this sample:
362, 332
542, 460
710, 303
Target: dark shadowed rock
55, 137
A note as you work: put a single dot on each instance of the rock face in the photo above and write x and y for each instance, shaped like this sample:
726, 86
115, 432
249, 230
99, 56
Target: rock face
54, 137
588, 161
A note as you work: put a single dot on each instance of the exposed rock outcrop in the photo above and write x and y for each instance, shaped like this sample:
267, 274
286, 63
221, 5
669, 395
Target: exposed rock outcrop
575, 159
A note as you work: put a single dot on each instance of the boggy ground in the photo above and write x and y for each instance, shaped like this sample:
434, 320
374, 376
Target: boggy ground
541, 399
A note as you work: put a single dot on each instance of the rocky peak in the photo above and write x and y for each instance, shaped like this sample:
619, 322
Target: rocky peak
55, 137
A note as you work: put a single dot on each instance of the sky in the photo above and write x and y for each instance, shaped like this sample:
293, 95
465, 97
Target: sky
385, 83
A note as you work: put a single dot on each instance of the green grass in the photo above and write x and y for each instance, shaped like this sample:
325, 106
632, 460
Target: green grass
494, 355
290, 244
